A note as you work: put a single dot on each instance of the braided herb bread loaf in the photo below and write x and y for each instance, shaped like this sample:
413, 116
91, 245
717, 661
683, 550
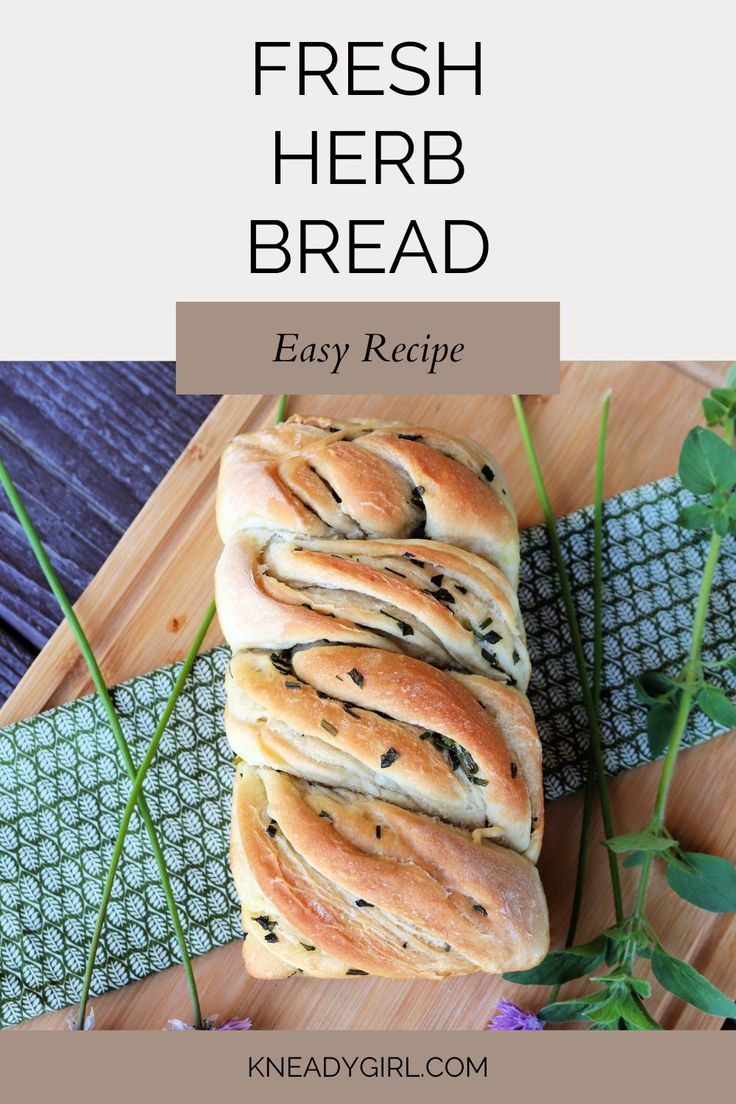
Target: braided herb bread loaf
387, 808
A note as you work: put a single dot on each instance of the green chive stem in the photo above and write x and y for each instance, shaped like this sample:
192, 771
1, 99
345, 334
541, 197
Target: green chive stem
133, 799
597, 659
600, 466
281, 409
577, 646
136, 796
585, 821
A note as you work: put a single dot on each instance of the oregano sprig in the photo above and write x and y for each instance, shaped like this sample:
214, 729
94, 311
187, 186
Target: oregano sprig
707, 468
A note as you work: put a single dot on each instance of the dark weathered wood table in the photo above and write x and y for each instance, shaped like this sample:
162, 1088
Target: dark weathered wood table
86, 445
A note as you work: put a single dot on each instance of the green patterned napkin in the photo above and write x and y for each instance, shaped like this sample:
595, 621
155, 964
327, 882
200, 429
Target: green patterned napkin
63, 788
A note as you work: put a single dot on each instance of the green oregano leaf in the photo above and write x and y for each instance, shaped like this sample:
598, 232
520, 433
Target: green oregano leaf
660, 723
561, 966
608, 1011
685, 982
636, 1016
675, 857
639, 841
716, 705
725, 397
636, 858
720, 522
652, 686
564, 1011
704, 880
707, 462
612, 978
714, 412
613, 952
697, 516
640, 986
618, 935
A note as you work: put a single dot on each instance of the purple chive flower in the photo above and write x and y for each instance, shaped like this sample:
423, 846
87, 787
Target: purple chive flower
210, 1024
89, 1021
234, 1024
509, 1017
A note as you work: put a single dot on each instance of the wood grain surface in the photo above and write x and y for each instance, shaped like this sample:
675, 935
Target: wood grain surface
142, 608
86, 444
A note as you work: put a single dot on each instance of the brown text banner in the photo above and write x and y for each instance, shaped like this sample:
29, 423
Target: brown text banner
368, 348
322, 1067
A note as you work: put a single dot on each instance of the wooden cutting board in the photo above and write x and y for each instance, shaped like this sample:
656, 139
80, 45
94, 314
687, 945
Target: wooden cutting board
143, 607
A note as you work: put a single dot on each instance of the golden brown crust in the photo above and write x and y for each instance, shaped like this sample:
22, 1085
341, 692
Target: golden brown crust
256, 611
428, 599
367, 479
512, 713
375, 703
412, 734
328, 897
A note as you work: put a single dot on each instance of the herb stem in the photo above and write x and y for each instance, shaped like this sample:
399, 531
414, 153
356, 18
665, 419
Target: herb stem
678, 730
597, 662
280, 409
577, 644
101, 687
687, 699
577, 899
600, 464
585, 820
136, 796
133, 798
691, 674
